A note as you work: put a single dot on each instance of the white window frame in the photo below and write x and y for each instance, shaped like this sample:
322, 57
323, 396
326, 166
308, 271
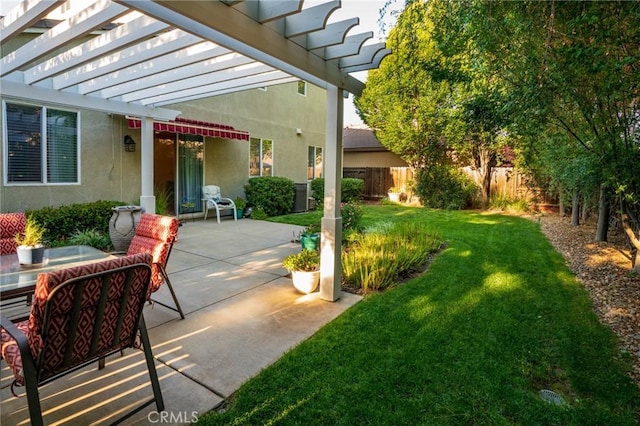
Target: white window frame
260, 165
301, 84
44, 147
315, 167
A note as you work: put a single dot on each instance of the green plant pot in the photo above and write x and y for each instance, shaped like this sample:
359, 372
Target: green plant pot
309, 241
239, 213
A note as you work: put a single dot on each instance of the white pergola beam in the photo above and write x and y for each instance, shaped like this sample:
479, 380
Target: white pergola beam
89, 77
23, 16
198, 82
94, 16
177, 67
119, 37
47, 96
332, 34
350, 47
366, 55
377, 59
236, 84
288, 79
275, 9
309, 20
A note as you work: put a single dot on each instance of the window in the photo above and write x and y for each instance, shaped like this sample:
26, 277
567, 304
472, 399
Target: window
42, 144
314, 164
302, 87
261, 157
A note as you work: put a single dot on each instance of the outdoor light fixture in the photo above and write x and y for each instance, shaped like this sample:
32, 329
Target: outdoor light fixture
129, 144
298, 131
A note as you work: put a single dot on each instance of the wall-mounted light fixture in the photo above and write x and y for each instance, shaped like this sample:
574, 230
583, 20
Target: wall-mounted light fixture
129, 144
298, 131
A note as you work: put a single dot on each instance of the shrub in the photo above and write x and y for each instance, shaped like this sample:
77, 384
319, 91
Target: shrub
258, 214
93, 238
63, 221
273, 195
376, 261
352, 190
444, 187
351, 217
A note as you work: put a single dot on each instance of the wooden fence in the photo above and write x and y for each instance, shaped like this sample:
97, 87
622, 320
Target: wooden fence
505, 181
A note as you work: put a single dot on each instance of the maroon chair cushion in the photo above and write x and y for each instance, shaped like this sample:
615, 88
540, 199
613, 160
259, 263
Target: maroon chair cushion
10, 225
50, 347
155, 235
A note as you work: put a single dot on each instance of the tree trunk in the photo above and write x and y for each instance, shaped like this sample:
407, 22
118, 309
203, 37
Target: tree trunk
575, 208
603, 216
634, 241
584, 211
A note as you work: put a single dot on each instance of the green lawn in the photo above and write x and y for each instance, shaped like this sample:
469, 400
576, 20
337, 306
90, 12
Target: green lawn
496, 318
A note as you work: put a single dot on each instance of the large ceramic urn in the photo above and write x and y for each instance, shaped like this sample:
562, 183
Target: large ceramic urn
122, 226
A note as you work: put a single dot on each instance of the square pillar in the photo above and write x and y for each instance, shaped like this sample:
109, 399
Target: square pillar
331, 237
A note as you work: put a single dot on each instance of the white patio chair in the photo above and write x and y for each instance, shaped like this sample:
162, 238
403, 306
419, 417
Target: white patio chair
213, 200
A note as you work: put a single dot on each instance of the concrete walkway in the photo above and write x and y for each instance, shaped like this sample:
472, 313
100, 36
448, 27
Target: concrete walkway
242, 314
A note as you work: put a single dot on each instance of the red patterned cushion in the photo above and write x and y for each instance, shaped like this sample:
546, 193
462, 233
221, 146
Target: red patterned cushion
10, 225
51, 346
155, 234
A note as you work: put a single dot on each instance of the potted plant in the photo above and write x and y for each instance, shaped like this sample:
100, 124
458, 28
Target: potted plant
310, 237
30, 248
394, 194
305, 270
240, 205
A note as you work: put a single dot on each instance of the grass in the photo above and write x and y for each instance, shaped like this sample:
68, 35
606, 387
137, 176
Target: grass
496, 318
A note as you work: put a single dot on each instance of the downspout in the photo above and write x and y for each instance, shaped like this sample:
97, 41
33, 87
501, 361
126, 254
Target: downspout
147, 199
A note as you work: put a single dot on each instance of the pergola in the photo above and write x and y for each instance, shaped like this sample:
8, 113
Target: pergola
148, 54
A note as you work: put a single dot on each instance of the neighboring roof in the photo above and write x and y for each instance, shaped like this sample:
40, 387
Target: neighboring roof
168, 51
360, 139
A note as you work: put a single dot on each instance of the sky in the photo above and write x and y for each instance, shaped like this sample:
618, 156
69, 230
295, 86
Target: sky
366, 10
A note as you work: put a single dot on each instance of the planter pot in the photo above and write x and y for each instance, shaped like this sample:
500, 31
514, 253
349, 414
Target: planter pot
305, 282
122, 226
239, 213
394, 196
309, 241
28, 255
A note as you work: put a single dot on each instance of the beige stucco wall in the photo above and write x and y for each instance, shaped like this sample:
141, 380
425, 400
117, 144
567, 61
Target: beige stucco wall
372, 159
109, 173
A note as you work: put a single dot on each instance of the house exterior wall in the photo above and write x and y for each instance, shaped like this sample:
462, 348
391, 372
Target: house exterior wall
372, 159
107, 172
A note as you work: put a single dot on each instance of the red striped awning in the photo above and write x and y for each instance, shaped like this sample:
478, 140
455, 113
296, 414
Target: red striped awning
194, 127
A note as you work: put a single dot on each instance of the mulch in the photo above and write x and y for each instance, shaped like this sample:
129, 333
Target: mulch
604, 268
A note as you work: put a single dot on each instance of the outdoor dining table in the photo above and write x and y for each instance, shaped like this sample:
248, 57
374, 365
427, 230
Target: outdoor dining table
18, 280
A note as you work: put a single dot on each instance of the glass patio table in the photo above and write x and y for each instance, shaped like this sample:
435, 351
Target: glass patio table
20, 280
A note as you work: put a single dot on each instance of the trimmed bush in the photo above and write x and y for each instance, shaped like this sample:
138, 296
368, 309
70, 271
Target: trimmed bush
441, 187
352, 190
274, 195
64, 221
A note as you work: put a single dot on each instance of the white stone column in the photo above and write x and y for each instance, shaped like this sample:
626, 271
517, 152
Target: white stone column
147, 199
331, 237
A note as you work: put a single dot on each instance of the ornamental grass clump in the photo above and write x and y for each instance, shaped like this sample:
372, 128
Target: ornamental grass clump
306, 260
375, 261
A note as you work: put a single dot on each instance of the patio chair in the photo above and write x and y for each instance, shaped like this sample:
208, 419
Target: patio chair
212, 199
155, 234
10, 225
80, 315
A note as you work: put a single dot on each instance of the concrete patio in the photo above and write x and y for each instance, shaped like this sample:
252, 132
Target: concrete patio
242, 314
